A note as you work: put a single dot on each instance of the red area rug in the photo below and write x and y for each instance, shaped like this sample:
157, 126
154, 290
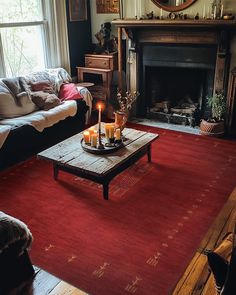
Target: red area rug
138, 242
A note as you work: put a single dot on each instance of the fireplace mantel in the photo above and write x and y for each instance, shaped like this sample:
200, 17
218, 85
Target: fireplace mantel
194, 24
176, 32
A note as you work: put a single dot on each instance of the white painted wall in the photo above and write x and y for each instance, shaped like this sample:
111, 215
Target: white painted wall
148, 6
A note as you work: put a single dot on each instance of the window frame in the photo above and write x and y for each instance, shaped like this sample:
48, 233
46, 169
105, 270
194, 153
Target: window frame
55, 45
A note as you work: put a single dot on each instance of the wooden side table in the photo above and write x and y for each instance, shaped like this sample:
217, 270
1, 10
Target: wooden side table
106, 79
101, 66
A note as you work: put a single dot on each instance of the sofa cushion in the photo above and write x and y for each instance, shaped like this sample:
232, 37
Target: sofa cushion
45, 100
44, 85
69, 91
8, 106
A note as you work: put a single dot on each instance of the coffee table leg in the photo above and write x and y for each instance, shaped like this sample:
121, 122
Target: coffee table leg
105, 190
55, 171
149, 153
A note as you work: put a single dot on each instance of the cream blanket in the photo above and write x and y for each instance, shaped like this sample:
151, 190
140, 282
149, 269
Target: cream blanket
87, 97
43, 119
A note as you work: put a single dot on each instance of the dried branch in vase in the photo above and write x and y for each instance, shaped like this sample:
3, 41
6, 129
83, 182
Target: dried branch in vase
125, 102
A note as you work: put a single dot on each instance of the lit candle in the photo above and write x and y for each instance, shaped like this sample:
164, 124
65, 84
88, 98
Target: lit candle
117, 134
161, 14
99, 116
86, 135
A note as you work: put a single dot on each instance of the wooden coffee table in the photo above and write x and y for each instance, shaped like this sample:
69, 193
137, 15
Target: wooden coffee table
69, 156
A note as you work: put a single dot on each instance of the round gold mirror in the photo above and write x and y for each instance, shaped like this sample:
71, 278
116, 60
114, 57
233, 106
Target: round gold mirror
173, 5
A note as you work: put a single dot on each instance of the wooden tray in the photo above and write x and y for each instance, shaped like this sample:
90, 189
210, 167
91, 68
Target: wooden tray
106, 150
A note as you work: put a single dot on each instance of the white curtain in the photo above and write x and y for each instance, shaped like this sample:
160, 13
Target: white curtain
58, 53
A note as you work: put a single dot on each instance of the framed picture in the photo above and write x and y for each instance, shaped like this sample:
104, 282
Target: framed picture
108, 6
78, 10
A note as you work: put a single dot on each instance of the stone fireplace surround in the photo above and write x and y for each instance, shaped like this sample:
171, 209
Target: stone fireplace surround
192, 44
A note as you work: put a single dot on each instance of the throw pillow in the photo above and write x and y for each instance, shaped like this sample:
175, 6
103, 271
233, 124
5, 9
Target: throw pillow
44, 100
68, 92
45, 86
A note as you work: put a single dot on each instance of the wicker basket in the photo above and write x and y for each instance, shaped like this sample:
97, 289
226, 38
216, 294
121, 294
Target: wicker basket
216, 129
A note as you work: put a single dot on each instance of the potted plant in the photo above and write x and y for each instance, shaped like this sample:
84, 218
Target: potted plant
215, 125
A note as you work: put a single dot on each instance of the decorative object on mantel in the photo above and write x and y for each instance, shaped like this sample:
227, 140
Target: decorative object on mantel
228, 16
215, 126
108, 6
105, 43
168, 5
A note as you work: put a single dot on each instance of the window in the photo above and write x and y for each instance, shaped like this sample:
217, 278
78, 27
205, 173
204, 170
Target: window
29, 38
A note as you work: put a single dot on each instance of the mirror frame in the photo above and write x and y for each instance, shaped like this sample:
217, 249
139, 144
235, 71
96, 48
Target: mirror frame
174, 8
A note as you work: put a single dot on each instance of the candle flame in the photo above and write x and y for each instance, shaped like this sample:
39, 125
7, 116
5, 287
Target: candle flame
100, 106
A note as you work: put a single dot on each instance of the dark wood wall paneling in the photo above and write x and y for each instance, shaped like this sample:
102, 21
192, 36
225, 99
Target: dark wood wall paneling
80, 41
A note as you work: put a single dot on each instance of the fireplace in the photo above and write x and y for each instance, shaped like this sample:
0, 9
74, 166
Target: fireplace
190, 55
175, 81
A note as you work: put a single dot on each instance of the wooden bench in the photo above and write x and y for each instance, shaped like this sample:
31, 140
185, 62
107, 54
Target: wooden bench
197, 278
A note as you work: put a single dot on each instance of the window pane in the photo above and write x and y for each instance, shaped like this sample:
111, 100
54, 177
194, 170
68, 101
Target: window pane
22, 50
20, 11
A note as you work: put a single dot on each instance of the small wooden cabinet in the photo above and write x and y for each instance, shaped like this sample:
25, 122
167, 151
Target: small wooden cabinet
101, 61
98, 70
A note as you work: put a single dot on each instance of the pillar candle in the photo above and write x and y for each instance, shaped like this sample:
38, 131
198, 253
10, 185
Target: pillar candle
94, 139
117, 134
107, 126
111, 131
86, 135
91, 130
